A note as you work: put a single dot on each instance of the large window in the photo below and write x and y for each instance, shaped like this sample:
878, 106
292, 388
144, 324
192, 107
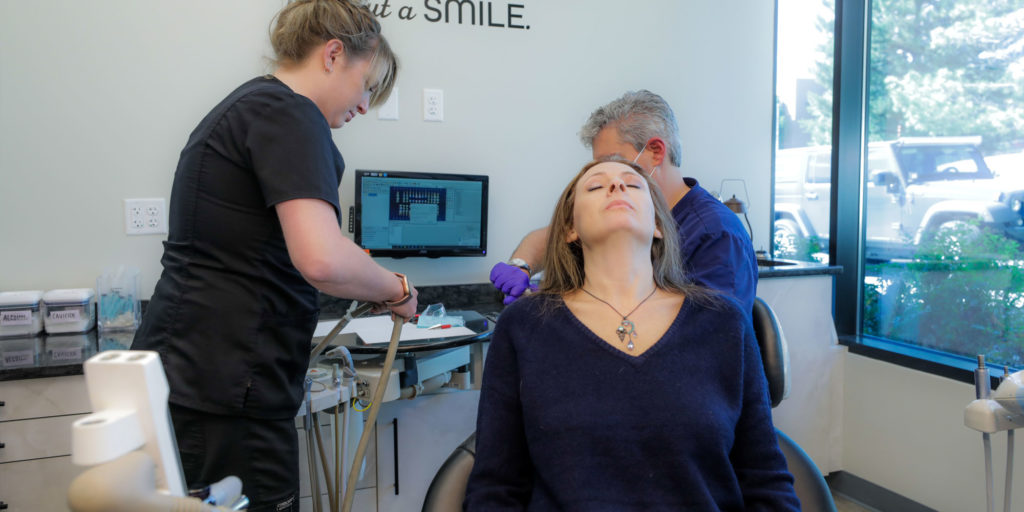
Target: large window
944, 176
928, 184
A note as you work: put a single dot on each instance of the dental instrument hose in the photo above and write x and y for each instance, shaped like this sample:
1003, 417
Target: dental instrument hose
354, 310
1008, 487
1009, 471
310, 425
378, 395
349, 315
982, 390
328, 481
338, 462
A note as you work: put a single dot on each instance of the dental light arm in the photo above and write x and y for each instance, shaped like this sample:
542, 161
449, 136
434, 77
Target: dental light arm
1003, 410
994, 412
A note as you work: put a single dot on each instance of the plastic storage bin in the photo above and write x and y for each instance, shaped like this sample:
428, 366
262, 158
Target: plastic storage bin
70, 310
20, 352
20, 313
62, 349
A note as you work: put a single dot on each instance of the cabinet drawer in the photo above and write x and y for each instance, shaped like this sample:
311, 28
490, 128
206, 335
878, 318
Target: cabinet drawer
36, 485
35, 398
34, 439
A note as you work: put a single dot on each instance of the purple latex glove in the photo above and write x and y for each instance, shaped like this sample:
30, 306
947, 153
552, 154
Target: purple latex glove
511, 280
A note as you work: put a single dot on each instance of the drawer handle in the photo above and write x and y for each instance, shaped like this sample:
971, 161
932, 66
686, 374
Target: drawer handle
3, 506
2, 403
2, 445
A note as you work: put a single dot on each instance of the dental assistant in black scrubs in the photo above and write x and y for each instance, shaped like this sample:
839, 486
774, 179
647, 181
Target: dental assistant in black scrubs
254, 234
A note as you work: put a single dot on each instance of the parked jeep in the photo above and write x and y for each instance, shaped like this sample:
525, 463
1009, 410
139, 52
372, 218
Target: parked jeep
913, 187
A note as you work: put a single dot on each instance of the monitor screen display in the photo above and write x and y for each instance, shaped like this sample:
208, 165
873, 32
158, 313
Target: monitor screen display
401, 214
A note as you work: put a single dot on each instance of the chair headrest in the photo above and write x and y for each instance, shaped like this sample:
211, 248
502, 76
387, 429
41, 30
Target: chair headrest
773, 349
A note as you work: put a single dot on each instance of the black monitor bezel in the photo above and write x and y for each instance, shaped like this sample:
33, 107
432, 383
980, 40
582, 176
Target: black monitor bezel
426, 252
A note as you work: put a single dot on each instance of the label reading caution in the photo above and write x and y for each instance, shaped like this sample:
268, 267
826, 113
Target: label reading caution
64, 316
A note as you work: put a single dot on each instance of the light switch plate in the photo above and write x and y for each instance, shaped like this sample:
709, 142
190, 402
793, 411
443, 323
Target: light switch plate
389, 110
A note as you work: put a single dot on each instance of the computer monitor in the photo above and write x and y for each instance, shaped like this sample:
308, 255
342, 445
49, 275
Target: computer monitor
399, 214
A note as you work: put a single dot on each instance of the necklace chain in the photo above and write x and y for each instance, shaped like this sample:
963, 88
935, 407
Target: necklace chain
626, 326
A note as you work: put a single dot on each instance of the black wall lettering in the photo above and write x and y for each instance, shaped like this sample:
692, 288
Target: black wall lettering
519, 16
381, 10
427, 6
489, 22
460, 4
478, 13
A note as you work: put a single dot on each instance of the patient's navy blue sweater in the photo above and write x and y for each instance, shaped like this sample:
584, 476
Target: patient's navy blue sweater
568, 422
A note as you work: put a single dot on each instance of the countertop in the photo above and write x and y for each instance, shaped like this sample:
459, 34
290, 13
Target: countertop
792, 268
61, 355
55, 355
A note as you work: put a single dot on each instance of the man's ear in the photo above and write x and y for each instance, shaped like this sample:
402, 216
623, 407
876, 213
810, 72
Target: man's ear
658, 149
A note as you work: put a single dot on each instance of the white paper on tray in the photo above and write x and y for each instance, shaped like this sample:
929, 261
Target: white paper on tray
377, 329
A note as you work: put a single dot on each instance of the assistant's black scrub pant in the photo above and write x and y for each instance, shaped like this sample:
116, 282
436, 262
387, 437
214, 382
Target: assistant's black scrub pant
264, 454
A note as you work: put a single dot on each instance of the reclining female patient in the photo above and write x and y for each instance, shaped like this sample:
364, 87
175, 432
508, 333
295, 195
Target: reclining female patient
619, 385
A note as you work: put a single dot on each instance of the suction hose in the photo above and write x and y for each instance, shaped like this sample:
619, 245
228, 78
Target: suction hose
354, 310
371, 419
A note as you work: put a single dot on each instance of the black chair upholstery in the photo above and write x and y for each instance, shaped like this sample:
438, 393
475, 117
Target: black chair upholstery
773, 353
448, 488
810, 486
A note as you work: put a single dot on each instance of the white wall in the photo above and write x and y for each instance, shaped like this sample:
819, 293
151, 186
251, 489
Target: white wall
97, 98
812, 413
904, 430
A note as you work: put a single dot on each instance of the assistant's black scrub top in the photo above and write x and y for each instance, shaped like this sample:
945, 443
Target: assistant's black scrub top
230, 316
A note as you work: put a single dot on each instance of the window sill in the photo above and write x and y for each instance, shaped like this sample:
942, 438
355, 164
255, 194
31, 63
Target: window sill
935, 362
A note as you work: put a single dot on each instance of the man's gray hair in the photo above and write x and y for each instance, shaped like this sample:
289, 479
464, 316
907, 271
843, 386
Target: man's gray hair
637, 116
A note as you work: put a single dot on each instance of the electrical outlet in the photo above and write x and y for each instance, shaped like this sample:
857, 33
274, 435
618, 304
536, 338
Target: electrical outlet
433, 105
145, 216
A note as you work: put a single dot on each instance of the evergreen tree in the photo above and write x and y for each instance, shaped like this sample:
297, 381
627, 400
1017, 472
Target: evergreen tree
939, 67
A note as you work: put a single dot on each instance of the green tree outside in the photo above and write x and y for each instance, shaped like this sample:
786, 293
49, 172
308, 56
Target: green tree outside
938, 68
963, 293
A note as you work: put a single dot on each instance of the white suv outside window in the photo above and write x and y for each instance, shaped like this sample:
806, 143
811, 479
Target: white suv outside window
913, 186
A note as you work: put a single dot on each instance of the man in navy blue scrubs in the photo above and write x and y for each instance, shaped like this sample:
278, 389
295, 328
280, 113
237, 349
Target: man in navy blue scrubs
640, 126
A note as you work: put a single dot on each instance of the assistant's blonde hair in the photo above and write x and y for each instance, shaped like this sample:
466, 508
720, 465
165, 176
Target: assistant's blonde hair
563, 261
305, 24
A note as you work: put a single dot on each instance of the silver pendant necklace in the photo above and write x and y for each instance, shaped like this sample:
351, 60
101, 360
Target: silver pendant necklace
626, 326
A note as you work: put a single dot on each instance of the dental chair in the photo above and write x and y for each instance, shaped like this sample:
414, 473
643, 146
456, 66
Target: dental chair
448, 488
810, 485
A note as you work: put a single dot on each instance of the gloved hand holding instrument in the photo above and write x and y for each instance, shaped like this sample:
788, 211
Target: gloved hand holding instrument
512, 279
